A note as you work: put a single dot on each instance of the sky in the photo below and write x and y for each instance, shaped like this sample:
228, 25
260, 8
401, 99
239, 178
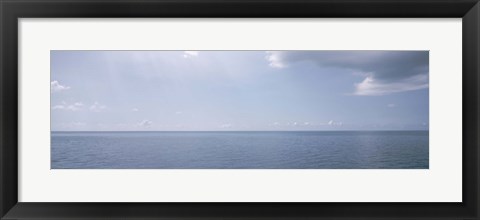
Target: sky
239, 90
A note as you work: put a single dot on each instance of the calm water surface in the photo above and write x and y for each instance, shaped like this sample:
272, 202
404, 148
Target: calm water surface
240, 150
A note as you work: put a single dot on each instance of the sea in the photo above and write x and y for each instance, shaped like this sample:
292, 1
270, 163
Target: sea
241, 150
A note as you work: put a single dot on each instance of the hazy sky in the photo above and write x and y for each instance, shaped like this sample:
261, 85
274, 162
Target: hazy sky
239, 90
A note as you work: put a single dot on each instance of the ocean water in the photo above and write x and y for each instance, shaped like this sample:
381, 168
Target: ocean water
240, 150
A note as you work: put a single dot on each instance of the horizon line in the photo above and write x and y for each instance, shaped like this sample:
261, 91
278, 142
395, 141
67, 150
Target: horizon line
238, 130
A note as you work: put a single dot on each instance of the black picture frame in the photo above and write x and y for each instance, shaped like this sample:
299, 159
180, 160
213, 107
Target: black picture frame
12, 10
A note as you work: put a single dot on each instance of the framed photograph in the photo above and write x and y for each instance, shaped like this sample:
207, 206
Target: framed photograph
239, 109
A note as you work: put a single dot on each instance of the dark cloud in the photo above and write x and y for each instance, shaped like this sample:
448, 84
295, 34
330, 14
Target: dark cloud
385, 71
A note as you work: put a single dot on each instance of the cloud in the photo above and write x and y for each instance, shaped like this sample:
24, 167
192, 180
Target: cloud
371, 86
73, 125
77, 106
187, 54
135, 110
96, 107
275, 59
295, 124
178, 112
145, 123
79, 124
55, 86
334, 123
59, 107
226, 125
385, 72
391, 105
72, 107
